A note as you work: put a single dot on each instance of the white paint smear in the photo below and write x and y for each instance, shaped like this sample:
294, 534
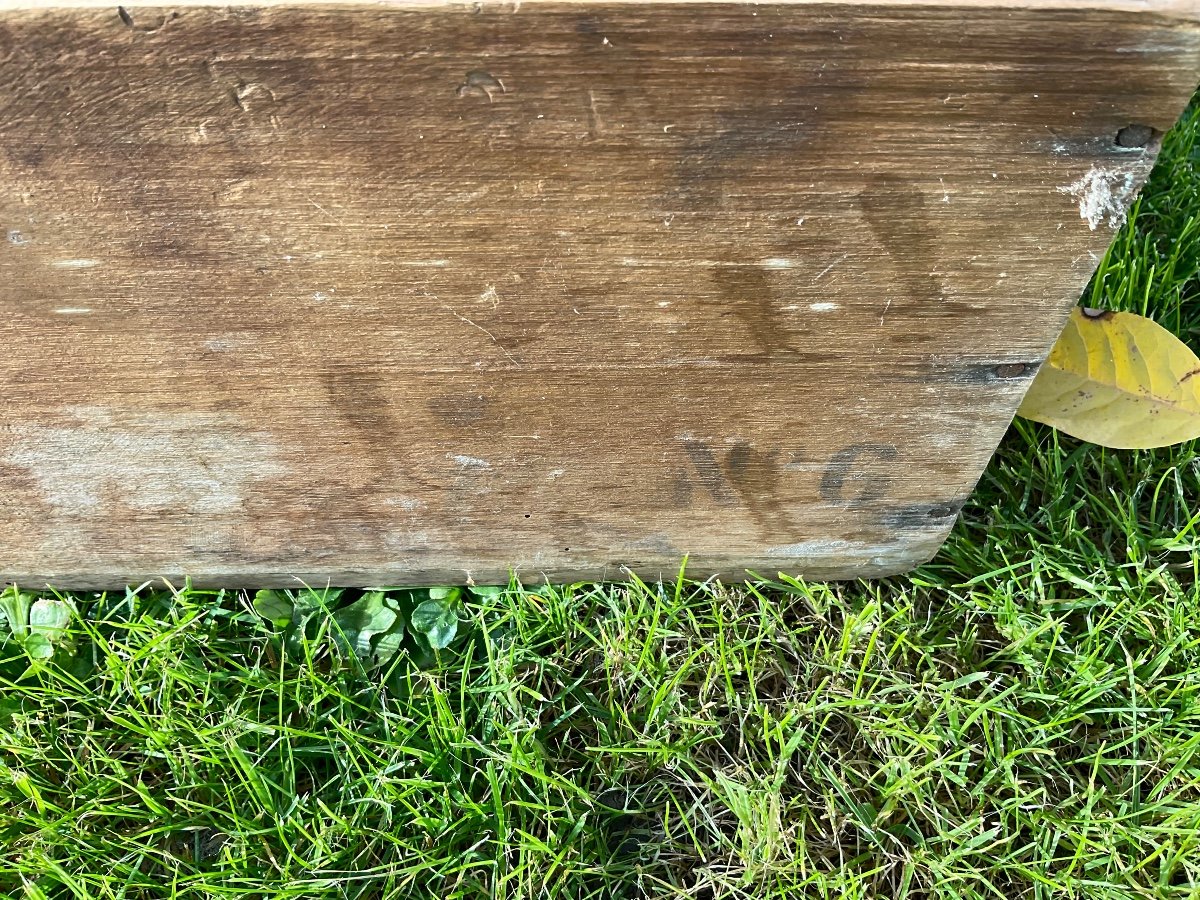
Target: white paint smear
470, 462
851, 552
1102, 195
405, 503
195, 463
806, 549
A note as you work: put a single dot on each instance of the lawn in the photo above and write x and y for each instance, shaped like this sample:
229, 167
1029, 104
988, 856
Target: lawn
1019, 718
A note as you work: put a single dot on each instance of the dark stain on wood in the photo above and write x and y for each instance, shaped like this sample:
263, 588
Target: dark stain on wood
707, 470
360, 398
854, 477
460, 410
973, 373
756, 475
682, 493
921, 516
894, 209
746, 293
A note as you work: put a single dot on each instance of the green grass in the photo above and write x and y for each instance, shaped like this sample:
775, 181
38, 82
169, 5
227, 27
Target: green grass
1018, 719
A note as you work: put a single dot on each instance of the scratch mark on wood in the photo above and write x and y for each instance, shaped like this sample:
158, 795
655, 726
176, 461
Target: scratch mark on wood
595, 126
829, 268
334, 218
474, 324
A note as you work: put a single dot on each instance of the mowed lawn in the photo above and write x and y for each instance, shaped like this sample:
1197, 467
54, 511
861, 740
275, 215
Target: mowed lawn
1018, 719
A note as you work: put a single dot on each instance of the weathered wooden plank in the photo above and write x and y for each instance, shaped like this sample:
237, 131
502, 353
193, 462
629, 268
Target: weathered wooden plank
424, 292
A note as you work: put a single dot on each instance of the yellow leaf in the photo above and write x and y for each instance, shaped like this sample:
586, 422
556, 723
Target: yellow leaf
1119, 380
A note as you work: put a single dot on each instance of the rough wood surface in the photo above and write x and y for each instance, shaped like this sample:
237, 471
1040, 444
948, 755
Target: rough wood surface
428, 292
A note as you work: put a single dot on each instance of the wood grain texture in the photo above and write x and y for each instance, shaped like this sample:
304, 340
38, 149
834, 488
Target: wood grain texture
419, 293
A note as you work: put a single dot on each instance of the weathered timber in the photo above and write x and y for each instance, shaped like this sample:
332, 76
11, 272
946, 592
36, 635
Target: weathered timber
428, 292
